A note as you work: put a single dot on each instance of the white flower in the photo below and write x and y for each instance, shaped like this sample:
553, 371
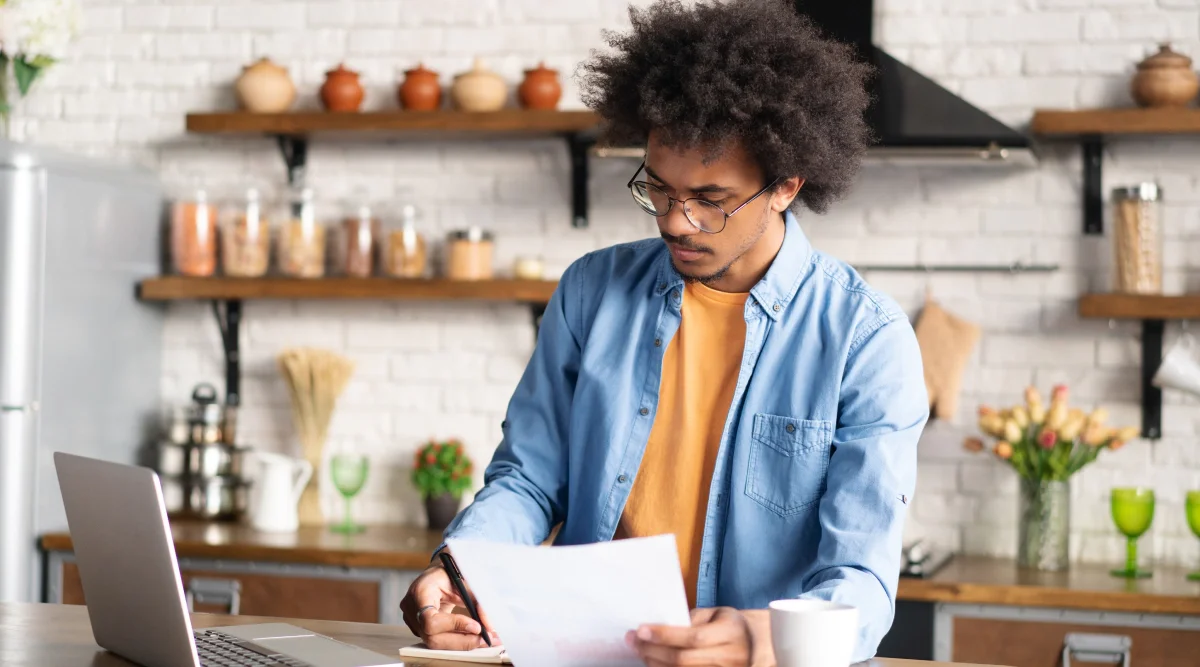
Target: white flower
38, 28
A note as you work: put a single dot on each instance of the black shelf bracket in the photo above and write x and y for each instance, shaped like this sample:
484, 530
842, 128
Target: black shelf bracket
1093, 183
229, 320
579, 145
1152, 351
295, 156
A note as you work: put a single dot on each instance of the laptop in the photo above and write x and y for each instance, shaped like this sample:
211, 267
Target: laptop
134, 594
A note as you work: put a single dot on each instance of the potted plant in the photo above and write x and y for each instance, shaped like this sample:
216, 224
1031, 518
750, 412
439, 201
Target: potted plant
441, 472
1046, 446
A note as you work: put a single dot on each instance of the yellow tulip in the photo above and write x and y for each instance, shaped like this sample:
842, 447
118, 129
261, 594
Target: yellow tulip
992, 425
1032, 397
1072, 429
1037, 413
1020, 416
1098, 416
1003, 450
1095, 436
1012, 432
1128, 433
1057, 416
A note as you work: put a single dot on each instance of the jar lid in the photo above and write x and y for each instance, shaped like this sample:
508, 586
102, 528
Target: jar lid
1140, 192
1166, 57
204, 406
472, 234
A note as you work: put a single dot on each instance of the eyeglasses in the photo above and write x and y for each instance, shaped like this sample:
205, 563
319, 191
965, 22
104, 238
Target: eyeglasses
704, 215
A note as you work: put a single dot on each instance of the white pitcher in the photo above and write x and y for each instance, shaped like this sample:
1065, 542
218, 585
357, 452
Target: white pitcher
276, 491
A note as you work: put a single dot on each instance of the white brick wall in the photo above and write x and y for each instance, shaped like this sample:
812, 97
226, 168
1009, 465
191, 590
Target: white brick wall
447, 369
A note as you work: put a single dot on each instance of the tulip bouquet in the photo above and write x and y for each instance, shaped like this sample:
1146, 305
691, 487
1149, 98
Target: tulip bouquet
1046, 445
1048, 442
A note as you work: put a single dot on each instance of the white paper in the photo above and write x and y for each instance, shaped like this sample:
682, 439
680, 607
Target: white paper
495, 655
572, 606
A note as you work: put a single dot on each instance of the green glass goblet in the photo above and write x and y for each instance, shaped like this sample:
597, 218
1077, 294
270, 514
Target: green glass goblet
349, 476
1193, 518
1133, 512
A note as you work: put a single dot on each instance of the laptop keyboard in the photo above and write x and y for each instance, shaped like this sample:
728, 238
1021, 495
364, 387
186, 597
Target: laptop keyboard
218, 649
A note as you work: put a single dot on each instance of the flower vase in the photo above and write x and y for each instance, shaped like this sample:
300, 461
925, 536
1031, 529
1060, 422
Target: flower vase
1044, 527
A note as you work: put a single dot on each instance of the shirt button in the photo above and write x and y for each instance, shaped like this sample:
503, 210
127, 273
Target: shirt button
657, 342
675, 294
622, 479
662, 286
644, 411
791, 428
504, 424
777, 308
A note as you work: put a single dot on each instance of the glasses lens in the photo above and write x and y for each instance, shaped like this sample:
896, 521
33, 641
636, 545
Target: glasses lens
651, 199
708, 217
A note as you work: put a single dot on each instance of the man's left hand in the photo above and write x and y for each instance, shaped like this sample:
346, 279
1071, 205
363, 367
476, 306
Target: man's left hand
720, 636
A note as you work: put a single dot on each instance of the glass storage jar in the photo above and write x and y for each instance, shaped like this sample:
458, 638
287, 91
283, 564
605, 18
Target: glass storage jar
404, 252
246, 239
301, 238
194, 236
469, 254
358, 241
1137, 239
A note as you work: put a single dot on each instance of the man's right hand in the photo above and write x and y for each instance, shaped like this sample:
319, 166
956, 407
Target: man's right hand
428, 609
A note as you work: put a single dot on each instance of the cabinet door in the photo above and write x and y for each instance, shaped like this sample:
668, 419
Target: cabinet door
1037, 644
285, 596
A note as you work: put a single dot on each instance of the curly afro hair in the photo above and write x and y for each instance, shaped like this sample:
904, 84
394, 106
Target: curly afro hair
750, 71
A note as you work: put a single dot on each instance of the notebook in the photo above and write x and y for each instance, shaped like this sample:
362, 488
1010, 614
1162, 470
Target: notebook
492, 656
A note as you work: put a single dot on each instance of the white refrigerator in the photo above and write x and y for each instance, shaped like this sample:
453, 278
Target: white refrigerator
79, 355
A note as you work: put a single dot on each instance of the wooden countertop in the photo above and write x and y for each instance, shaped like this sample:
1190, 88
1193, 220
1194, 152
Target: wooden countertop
38, 635
966, 579
973, 580
389, 547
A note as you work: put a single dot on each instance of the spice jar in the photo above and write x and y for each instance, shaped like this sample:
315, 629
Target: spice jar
404, 254
359, 237
469, 254
246, 240
302, 238
194, 236
1137, 239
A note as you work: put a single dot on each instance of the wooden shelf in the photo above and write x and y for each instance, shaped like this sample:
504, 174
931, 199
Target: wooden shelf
168, 288
1049, 122
506, 121
1140, 307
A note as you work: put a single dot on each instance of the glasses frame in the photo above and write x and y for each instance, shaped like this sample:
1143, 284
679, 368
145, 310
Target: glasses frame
671, 201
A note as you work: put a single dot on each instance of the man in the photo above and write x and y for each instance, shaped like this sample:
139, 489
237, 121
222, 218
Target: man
728, 383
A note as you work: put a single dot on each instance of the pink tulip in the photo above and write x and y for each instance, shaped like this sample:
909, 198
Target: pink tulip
1048, 439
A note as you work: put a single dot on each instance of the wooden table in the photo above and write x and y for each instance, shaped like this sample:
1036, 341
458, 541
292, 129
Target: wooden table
45, 635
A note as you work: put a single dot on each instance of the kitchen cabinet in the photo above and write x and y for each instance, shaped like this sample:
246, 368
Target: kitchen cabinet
312, 574
1032, 637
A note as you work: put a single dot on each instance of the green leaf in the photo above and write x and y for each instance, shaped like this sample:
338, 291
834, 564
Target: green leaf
26, 73
42, 62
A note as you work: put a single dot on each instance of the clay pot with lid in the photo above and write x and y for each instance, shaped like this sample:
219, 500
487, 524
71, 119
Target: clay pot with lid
421, 90
265, 87
341, 90
540, 89
479, 90
1165, 79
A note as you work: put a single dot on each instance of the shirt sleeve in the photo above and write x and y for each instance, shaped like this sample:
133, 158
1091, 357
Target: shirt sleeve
525, 485
872, 471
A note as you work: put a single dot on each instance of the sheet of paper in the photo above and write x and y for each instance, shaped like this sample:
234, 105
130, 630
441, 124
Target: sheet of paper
494, 656
571, 606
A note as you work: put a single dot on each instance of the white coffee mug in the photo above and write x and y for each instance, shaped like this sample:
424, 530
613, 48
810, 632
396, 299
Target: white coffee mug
1179, 369
813, 633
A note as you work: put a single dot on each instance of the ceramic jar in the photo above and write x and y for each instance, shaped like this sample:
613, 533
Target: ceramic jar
540, 89
341, 90
264, 87
479, 89
421, 90
1165, 79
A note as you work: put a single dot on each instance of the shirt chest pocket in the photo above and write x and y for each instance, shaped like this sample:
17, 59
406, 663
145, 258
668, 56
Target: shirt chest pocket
788, 461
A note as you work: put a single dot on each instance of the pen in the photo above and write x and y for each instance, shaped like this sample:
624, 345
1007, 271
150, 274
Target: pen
456, 579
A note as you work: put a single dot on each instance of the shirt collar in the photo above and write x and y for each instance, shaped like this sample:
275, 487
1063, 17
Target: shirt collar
777, 288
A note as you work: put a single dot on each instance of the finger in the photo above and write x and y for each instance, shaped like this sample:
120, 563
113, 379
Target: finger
724, 627
667, 635
434, 623
703, 615
653, 654
453, 641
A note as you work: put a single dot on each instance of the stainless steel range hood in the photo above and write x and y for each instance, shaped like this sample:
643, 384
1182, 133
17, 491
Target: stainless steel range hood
915, 120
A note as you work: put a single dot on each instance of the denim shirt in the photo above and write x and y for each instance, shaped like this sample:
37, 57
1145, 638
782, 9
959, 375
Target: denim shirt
818, 456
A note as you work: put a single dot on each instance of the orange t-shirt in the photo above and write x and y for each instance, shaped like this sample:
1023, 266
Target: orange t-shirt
700, 369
